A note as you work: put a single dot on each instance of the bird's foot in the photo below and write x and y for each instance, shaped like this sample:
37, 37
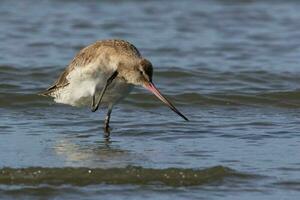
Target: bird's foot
94, 108
106, 131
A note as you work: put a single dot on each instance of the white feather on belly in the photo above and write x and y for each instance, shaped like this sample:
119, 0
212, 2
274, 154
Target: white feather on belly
87, 81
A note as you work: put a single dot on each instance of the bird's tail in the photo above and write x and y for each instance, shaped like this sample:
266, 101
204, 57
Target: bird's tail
48, 92
45, 93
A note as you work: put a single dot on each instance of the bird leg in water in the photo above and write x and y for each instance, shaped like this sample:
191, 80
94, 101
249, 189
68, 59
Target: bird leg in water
106, 122
108, 82
93, 103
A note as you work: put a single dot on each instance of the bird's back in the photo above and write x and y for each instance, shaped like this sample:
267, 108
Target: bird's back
102, 52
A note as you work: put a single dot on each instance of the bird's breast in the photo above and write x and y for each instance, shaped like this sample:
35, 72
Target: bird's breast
88, 81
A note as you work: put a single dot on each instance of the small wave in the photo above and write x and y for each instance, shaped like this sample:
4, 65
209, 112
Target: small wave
127, 175
291, 185
8, 100
289, 99
7, 69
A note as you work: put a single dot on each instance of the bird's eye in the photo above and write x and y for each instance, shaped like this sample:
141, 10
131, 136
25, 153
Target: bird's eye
141, 72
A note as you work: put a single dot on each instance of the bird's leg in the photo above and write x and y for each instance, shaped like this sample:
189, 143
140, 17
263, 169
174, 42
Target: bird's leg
93, 103
106, 123
108, 82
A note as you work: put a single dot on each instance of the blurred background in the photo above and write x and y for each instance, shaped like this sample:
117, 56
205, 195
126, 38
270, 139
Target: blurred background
231, 66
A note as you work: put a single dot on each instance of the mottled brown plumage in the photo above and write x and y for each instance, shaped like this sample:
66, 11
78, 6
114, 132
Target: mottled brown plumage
109, 48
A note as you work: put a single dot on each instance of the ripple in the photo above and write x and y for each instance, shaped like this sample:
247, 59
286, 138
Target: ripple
289, 99
128, 175
291, 185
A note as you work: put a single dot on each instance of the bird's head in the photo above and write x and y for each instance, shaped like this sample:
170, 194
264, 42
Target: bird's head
137, 73
141, 74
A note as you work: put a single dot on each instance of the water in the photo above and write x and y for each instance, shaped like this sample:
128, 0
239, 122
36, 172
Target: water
232, 67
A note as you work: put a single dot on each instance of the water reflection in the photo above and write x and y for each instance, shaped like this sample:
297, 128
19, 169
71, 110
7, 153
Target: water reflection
92, 154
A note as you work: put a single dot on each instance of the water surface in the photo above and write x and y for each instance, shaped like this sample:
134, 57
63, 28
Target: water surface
231, 66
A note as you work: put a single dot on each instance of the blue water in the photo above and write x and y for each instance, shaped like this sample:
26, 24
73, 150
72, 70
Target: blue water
230, 66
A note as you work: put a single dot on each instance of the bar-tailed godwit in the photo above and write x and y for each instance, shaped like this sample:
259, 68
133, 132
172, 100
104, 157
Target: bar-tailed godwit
103, 73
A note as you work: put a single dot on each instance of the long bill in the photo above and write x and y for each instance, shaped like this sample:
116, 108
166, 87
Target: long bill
151, 87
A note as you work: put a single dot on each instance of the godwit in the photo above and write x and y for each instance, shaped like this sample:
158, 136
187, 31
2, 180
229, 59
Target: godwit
110, 68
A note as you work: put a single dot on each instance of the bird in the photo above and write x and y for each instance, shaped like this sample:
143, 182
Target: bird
103, 74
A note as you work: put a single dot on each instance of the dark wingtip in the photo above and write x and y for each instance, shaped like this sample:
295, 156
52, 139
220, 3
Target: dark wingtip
44, 93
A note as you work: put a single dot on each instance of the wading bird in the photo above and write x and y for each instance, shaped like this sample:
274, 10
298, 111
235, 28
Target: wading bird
109, 68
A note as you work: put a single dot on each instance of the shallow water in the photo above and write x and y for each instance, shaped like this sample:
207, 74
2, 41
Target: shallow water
230, 66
